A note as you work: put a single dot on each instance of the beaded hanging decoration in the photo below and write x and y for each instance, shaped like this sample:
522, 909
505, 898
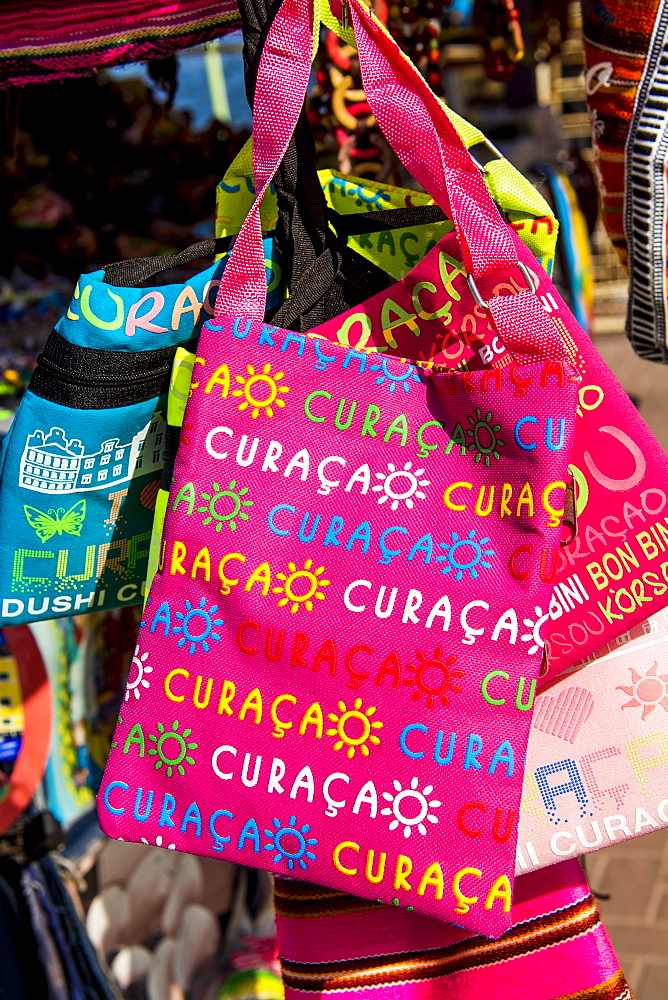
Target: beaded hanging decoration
499, 22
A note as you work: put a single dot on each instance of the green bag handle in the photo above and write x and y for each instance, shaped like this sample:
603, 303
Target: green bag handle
526, 209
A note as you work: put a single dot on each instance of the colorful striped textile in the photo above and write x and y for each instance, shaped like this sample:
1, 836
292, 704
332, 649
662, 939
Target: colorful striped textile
626, 51
334, 945
54, 39
616, 39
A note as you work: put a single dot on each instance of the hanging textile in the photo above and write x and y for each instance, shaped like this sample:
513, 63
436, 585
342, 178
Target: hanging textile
332, 944
625, 80
45, 950
53, 40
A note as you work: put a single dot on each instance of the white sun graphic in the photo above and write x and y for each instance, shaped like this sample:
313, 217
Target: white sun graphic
534, 636
420, 802
158, 843
400, 485
136, 683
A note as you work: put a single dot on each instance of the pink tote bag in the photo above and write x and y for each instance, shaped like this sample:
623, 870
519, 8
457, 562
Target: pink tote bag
311, 687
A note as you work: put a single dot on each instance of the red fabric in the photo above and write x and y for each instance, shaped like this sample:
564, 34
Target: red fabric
30, 765
51, 40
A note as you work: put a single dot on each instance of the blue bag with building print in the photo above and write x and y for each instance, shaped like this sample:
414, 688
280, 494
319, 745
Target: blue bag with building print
81, 464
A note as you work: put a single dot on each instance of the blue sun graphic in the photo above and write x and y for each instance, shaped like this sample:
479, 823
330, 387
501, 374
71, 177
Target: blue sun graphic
143, 623
197, 626
296, 848
408, 374
464, 554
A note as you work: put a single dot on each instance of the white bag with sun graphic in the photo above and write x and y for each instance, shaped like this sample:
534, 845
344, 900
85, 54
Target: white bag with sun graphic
597, 764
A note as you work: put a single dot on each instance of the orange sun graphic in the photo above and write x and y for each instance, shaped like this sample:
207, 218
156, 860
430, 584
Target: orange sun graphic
438, 688
648, 691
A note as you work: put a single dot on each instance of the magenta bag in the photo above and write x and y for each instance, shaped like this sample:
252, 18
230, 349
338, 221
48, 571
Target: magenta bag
314, 690
614, 573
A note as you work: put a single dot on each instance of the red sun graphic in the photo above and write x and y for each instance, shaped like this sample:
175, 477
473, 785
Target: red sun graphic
148, 495
433, 678
648, 691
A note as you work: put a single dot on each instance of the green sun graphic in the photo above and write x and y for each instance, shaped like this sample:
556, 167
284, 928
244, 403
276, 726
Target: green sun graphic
179, 750
230, 498
394, 902
485, 441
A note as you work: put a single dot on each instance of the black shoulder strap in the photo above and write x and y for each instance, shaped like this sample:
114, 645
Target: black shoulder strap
388, 218
350, 267
130, 273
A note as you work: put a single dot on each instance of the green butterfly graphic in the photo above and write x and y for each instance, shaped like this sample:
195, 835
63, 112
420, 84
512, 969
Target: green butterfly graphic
55, 522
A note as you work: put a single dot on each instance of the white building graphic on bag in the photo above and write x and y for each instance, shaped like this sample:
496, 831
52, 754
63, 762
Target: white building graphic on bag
53, 465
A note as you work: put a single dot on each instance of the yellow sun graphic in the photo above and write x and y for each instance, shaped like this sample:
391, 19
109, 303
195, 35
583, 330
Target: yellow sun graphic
361, 725
312, 578
266, 384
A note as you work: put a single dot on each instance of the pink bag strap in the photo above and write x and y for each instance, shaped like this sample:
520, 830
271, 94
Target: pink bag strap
417, 127
414, 123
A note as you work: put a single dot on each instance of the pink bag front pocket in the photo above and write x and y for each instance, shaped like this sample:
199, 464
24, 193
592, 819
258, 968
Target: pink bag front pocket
335, 669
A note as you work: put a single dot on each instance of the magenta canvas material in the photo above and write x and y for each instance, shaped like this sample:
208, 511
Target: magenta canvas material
614, 573
333, 945
310, 688
317, 700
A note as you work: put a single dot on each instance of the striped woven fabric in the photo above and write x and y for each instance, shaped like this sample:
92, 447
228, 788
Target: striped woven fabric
627, 93
616, 39
43, 40
336, 945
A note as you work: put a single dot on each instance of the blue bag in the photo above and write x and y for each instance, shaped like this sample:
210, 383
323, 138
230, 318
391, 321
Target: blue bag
81, 464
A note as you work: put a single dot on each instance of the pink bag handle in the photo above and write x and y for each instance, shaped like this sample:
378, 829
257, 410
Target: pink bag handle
417, 127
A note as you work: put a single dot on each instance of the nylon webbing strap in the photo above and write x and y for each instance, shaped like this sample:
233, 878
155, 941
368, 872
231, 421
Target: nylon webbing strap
169, 450
85, 378
130, 273
301, 228
389, 218
302, 232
